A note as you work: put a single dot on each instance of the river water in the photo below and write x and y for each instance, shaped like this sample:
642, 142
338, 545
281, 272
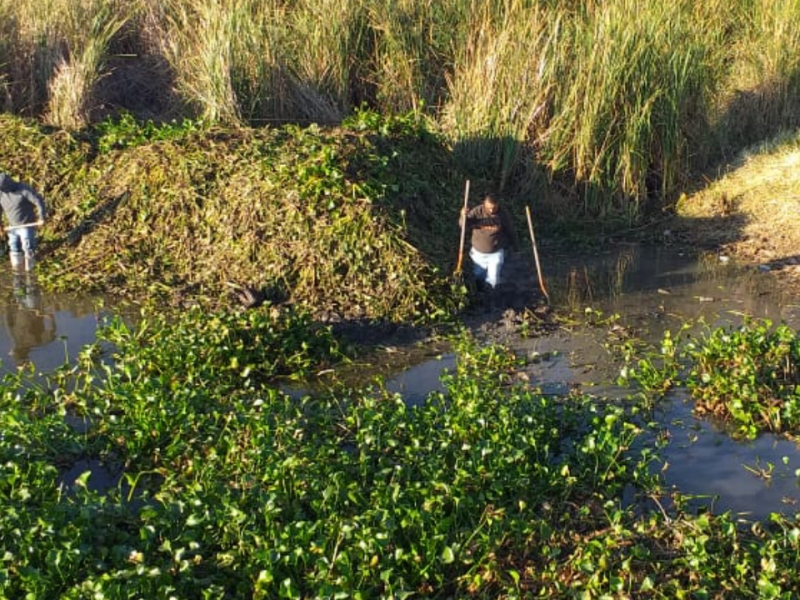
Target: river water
650, 289
43, 330
653, 290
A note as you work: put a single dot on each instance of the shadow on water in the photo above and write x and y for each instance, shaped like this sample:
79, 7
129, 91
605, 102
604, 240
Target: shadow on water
108, 479
653, 290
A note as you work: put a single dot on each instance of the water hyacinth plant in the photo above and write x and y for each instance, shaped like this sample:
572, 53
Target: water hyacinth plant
746, 375
227, 486
750, 375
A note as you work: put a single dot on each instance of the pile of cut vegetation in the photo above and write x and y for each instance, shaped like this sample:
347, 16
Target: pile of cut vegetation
357, 222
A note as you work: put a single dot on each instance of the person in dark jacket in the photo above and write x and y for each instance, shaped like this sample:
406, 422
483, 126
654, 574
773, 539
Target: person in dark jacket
492, 234
21, 203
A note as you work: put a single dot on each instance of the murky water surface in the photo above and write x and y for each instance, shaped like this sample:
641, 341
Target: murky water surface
43, 329
654, 290
651, 289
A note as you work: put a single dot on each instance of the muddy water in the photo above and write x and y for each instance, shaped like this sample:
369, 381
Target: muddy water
42, 329
652, 290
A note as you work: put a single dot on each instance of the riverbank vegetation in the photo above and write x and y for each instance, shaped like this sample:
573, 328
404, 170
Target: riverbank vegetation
356, 222
316, 152
747, 212
618, 112
171, 460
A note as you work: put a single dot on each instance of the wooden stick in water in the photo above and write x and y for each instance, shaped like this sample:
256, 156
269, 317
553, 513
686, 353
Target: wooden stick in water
536, 255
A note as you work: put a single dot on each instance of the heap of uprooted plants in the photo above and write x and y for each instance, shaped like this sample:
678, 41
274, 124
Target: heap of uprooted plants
350, 222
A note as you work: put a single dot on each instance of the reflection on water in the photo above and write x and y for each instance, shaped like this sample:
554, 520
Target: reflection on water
39, 328
417, 382
653, 282
28, 321
749, 477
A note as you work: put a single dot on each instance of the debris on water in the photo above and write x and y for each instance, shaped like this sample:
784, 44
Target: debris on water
537, 357
511, 319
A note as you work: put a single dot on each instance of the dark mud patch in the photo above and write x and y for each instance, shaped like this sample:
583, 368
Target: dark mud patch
515, 308
489, 322
367, 334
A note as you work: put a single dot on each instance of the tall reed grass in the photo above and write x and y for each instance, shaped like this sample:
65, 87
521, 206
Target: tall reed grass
53, 56
763, 82
501, 85
410, 39
198, 41
617, 119
78, 69
617, 100
327, 34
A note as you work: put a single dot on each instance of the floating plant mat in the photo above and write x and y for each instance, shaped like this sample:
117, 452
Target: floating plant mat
632, 296
504, 479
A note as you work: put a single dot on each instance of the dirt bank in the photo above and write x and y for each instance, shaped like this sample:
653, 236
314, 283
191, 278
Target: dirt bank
750, 213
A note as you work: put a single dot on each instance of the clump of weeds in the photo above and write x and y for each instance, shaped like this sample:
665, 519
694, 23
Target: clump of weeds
747, 375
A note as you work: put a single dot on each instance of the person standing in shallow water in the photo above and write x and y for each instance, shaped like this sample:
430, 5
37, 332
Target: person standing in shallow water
492, 234
20, 203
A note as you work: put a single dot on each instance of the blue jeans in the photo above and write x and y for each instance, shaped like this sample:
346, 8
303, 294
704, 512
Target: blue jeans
22, 240
486, 267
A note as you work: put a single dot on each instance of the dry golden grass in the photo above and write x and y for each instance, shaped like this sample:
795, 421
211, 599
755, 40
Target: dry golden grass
752, 212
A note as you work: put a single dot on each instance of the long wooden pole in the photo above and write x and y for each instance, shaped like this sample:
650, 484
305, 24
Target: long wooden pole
34, 224
463, 229
536, 255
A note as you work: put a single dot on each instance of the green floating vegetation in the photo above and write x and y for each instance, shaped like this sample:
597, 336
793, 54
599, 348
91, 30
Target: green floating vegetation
750, 375
230, 487
358, 221
746, 375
